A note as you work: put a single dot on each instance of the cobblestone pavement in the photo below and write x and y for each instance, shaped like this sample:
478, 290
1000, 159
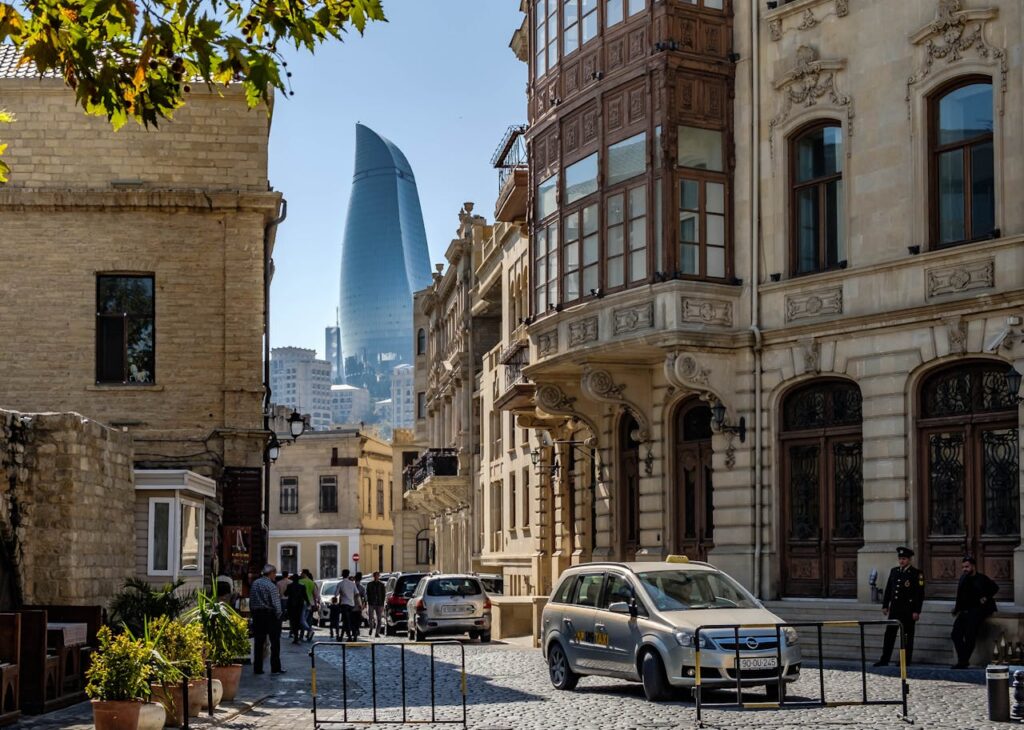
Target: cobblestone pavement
508, 688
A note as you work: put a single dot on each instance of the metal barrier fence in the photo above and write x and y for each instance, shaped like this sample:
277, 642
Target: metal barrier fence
780, 677
319, 720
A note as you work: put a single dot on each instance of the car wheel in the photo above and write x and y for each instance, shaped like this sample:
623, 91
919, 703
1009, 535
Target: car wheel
656, 686
772, 691
420, 636
389, 630
562, 676
474, 635
485, 637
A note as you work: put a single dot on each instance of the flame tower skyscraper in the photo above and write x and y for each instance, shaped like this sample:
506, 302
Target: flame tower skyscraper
384, 256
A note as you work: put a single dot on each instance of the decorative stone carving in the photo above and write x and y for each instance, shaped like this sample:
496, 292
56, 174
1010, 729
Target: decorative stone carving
811, 80
633, 318
803, 306
952, 34
807, 19
956, 331
687, 369
707, 311
547, 343
550, 398
582, 331
599, 385
960, 278
775, 29
811, 354
842, 8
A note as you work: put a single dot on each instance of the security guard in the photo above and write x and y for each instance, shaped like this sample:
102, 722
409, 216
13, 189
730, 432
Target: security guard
904, 594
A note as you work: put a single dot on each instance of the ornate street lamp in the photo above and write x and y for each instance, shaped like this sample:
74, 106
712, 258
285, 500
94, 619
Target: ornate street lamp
296, 424
1013, 379
273, 448
718, 422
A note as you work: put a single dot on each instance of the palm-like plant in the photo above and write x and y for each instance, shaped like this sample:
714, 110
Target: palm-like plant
227, 633
137, 602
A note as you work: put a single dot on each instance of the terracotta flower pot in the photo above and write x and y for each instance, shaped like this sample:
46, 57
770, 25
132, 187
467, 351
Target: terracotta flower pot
116, 715
152, 716
229, 676
171, 699
218, 694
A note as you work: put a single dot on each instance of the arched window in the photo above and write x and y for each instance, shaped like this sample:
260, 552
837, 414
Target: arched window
822, 489
421, 342
963, 199
816, 198
969, 455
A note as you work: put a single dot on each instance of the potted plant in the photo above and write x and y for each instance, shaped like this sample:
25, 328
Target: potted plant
182, 649
227, 635
118, 681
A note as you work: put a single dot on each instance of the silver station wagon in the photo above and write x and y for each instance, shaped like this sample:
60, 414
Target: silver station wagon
637, 621
443, 605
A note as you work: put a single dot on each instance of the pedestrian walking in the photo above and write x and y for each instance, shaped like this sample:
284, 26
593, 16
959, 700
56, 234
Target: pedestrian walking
348, 597
297, 609
312, 602
335, 618
265, 605
902, 600
358, 580
375, 593
283, 581
974, 603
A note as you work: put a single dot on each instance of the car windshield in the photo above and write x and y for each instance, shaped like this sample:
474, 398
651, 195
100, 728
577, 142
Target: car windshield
678, 590
453, 587
406, 585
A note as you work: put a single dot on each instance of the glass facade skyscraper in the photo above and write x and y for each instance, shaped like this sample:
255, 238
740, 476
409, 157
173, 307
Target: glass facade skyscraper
384, 257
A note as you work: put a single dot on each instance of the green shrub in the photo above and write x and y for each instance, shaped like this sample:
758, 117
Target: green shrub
120, 669
183, 645
226, 632
138, 601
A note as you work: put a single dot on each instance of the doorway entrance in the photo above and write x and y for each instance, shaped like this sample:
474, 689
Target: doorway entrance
694, 481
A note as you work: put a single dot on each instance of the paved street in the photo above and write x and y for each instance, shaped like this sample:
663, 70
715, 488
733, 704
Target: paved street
508, 688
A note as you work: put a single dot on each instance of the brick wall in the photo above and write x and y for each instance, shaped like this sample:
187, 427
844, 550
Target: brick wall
214, 142
66, 503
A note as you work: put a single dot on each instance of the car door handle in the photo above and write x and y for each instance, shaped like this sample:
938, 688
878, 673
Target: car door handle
567, 621
600, 627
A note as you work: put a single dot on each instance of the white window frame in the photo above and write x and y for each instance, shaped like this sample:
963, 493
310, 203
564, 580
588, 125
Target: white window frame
174, 568
337, 545
171, 521
298, 555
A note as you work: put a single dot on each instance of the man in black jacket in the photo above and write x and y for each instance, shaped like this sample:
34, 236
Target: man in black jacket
904, 594
973, 605
376, 592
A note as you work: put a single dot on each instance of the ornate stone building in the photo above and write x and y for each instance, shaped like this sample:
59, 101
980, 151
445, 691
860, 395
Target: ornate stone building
776, 287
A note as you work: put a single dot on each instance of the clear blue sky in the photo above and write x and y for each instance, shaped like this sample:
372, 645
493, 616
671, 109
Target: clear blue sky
438, 80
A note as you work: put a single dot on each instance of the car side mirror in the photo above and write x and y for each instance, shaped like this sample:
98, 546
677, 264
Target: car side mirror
620, 607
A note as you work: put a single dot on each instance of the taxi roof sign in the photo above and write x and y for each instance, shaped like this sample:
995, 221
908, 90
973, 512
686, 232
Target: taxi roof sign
677, 559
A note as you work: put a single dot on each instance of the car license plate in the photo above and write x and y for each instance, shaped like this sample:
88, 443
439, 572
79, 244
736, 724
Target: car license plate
758, 662
456, 609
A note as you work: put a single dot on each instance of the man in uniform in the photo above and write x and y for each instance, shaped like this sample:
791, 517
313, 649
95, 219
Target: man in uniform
973, 605
904, 594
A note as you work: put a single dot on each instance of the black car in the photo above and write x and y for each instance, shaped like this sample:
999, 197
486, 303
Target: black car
400, 588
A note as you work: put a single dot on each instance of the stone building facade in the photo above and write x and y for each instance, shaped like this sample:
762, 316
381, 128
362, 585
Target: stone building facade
776, 287
330, 500
62, 476
134, 270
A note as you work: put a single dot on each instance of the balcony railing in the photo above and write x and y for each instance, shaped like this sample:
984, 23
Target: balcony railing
511, 154
432, 463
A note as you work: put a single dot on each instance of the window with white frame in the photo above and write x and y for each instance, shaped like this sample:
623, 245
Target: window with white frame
176, 536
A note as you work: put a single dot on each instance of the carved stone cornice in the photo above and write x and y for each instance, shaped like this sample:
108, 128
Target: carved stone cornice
686, 373
810, 80
785, 18
814, 304
960, 277
952, 34
599, 385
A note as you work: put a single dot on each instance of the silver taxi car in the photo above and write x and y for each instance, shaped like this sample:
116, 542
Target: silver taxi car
443, 605
637, 621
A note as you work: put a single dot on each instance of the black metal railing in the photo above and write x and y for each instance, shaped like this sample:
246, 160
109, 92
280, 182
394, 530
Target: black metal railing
432, 463
511, 154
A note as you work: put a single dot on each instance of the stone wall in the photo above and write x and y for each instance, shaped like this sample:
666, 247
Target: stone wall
66, 502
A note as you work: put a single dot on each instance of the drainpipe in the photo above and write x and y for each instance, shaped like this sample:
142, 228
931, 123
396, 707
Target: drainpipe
268, 263
755, 258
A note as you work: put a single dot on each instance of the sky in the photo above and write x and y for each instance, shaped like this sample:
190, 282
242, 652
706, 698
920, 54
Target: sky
440, 81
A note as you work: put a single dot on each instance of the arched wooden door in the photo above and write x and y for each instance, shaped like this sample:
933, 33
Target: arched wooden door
822, 489
694, 481
629, 488
969, 466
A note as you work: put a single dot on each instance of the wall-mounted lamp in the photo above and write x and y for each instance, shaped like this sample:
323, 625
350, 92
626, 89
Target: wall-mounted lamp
1013, 379
718, 422
273, 448
296, 424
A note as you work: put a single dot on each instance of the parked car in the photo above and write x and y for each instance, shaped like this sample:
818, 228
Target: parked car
444, 605
327, 590
637, 621
400, 588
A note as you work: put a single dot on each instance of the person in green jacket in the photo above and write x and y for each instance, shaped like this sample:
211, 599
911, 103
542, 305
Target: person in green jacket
313, 604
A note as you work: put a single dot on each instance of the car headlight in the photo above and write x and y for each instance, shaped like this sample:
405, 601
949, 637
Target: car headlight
685, 638
791, 636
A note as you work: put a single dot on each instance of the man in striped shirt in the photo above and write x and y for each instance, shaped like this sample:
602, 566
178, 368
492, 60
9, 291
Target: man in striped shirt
265, 606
